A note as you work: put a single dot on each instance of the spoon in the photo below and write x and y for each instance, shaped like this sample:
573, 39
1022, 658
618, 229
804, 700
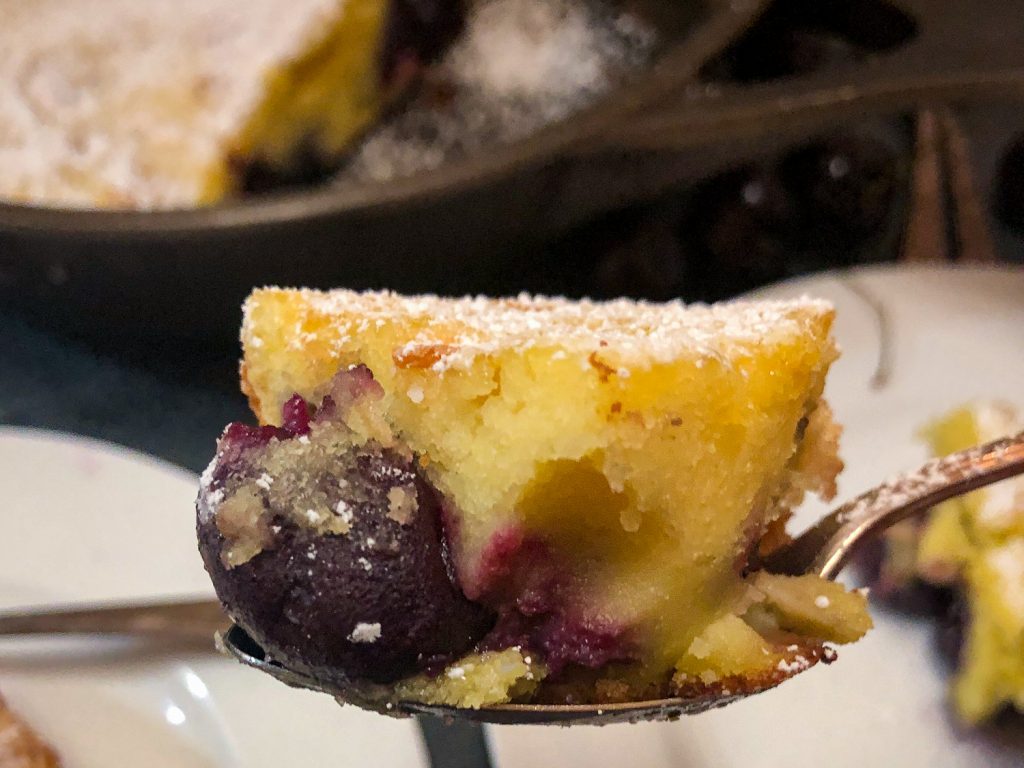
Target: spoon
191, 622
823, 549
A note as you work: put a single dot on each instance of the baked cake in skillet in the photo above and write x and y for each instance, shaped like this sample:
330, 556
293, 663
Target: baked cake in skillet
168, 103
474, 501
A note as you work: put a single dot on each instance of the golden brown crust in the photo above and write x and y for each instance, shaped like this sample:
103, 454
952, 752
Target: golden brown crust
295, 340
817, 464
421, 357
250, 392
20, 747
798, 657
594, 688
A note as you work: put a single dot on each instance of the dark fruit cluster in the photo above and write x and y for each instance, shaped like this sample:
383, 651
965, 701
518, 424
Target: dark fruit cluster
834, 201
827, 204
378, 602
795, 37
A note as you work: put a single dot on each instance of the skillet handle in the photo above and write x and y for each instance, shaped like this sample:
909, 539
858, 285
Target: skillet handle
961, 52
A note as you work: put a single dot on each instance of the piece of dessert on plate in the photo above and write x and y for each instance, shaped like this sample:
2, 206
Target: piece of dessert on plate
20, 747
171, 103
475, 501
964, 562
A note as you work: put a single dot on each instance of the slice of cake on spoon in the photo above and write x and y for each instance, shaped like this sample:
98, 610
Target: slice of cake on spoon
473, 501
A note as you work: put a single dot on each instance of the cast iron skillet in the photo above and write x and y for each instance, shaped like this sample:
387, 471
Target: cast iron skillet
183, 273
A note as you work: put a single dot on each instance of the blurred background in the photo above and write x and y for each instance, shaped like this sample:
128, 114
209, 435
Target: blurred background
739, 144
658, 149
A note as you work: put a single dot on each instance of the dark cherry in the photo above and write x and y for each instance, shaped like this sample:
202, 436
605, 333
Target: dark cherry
742, 224
417, 32
844, 186
305, 597
951, 629
1009, 188
799, 36
560, 640
295, 416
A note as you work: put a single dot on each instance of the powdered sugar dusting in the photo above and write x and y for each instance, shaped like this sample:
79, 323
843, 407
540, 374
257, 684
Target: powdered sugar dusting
1001, 506
209, 499
791, 666
551, 50
1007, 562
519, 65
919, 487
612, 337
130, 104
900, 490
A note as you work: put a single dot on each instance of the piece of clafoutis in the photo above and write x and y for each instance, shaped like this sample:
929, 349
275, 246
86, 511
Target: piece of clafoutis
472, 501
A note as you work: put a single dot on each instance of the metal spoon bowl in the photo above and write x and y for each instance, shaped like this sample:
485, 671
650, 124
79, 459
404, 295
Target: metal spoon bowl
823, 549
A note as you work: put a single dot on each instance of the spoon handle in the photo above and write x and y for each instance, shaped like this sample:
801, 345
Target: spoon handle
192, 620
825, 547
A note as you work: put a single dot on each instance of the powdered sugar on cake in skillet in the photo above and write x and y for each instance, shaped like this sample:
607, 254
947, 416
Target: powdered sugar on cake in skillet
119, 102
518, 66
623, 334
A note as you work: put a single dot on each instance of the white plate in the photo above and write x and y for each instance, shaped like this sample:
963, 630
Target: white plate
951, 336
82, 520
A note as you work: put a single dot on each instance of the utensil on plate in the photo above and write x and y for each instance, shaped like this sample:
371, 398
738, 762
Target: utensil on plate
192, 620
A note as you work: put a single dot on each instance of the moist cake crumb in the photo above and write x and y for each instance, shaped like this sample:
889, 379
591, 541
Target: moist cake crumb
401, 504
797, 664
